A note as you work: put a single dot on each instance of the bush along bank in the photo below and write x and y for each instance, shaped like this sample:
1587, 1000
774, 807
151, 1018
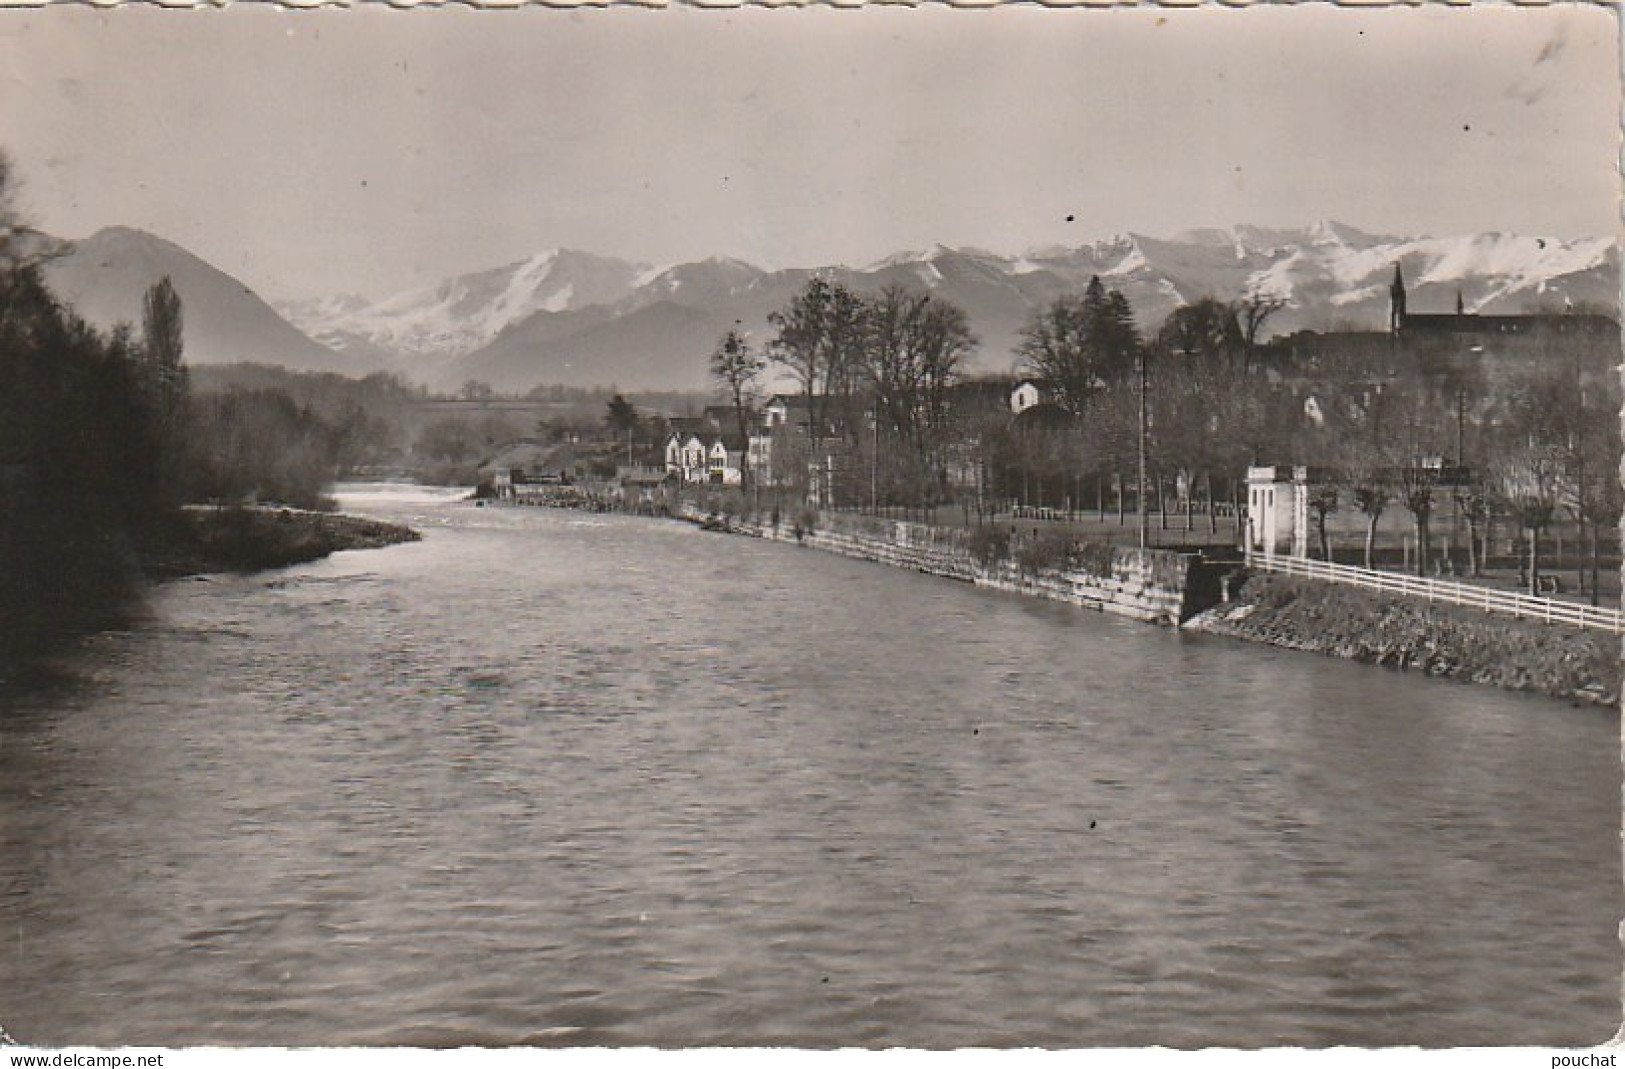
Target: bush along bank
239, 539
1437, 640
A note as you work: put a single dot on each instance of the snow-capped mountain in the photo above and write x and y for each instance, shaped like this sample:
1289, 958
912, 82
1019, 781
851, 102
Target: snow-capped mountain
1334, 275
579, 319
106, 276
427, 326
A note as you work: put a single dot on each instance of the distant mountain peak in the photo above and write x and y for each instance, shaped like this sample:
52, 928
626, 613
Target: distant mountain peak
898, 259
502, 325
106, 276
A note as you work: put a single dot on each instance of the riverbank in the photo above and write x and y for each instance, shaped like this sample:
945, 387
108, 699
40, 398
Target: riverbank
1444, 641
101, 590
1183, 591
1151, 585
254, 539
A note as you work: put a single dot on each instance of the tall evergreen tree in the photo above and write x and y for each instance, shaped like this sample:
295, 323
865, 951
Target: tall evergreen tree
1081, 345
167, 385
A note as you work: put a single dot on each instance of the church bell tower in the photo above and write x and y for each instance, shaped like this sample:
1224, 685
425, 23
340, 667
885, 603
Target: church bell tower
1396, 301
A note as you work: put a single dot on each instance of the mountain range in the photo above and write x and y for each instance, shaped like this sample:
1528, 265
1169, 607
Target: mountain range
579, 319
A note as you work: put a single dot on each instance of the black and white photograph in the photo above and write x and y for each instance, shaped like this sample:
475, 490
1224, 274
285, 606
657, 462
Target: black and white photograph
870, 528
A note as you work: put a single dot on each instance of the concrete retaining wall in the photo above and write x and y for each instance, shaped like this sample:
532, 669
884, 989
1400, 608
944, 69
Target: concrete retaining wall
1149, 585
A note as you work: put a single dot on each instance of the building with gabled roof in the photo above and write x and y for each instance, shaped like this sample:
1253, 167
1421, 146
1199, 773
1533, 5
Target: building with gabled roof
1403, 323
709, 455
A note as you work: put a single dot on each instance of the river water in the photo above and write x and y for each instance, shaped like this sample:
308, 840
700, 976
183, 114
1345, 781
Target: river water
557, 779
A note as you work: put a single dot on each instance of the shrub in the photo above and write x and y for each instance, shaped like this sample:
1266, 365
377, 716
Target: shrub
1095, 558
1044, 552
989, 544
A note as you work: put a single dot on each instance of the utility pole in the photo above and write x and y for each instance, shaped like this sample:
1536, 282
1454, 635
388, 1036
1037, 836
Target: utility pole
1144, 519
1582, 506
874, 460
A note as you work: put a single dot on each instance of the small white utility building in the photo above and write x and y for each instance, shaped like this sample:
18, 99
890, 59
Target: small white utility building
1278, 510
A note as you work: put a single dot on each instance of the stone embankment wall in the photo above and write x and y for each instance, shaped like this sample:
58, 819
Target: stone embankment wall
1148, 585
1437, 640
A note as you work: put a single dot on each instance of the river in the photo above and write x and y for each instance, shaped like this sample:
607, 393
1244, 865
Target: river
557, 779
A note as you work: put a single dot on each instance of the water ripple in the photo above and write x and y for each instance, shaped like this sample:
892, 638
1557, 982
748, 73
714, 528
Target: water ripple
552, 781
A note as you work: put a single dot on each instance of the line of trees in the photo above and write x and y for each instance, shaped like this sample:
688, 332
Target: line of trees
1209, 409
1537, 446
873, 373
1526, 442
1529, 440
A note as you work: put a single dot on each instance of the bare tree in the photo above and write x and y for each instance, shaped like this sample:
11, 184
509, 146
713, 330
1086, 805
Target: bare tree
22, 247
915, 345
1528, 481
819, 341
1541, 450
1418, 479
1371, 482
1325, 495
1416, 446
736, 366
1255, 309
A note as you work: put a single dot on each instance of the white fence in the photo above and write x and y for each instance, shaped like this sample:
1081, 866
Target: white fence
1523, 606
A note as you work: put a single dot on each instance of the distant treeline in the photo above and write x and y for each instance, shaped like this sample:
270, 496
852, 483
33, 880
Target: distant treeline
382, 424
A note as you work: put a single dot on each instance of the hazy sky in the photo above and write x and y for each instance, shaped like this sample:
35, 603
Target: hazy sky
370, 150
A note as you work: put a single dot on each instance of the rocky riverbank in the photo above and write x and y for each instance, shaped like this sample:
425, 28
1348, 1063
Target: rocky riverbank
1436, 640
253, 539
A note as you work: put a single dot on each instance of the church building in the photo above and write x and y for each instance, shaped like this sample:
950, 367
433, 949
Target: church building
1407, 325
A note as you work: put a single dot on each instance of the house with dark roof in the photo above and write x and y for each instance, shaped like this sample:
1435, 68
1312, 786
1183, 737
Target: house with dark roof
707, 455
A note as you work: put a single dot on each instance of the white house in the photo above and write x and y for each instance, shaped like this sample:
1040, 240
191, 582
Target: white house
706, 457
725, 459
1029, 393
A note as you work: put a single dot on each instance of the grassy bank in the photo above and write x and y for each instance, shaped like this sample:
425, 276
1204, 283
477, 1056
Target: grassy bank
252, 539
1410, 635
